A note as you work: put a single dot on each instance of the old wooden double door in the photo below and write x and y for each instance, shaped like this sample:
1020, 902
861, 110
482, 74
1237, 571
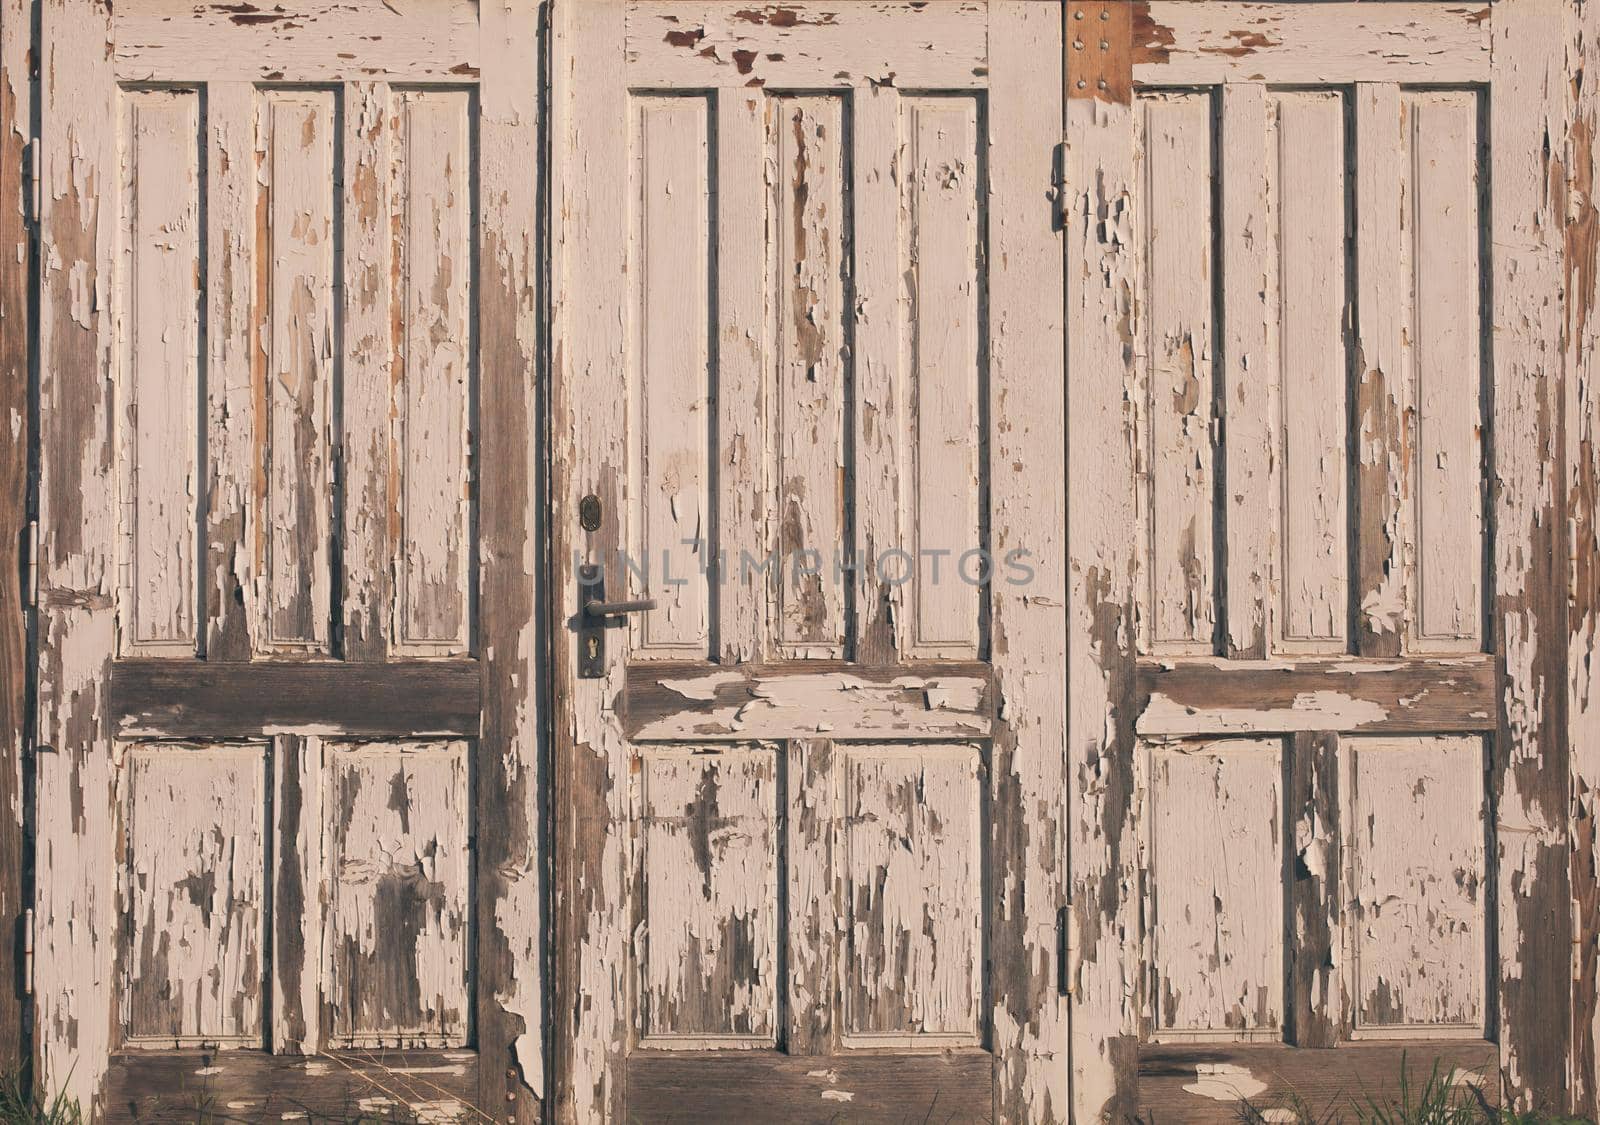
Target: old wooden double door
1089, 666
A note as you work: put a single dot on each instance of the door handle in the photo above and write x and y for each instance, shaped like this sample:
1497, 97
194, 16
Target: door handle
597, 608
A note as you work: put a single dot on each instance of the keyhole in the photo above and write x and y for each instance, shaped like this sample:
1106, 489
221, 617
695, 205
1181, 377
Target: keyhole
594, 647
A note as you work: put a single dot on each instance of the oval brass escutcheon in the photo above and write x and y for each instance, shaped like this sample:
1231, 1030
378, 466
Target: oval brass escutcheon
589, 513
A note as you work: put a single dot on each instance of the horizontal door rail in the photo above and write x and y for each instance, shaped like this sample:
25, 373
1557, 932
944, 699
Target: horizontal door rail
805, 699
194, 698
1417, 696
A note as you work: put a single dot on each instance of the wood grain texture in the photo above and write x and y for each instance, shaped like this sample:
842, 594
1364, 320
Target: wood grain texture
17, 265
950, 1085
1101, 224
1250, 374
75, 789
1414, 809
1177, 43
164, 697
314, 41
158, 310
723, 43
1028, 345
396, 960
1179, 586
1581, 256
1530, 785
1317, 1007
1208, 1084
670, 374
172, 1087
294, 310
709, 872
788, 700
1419, 696
512, 878
811, 352
1213, 816
195, 838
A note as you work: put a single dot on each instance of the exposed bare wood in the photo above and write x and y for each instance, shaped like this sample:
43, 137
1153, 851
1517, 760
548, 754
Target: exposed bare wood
1208, 1084
1317, 1008
511, 886
1202, 697
17, 330
1529, 774
950, 1085
1101, 270
1582, 403
164, 697
1177, 43
175, 1086
75, 904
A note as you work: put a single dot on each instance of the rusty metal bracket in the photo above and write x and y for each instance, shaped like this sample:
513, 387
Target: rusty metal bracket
1100, 50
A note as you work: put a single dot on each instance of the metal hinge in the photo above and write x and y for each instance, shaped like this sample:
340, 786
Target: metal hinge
1059, 173
31, 590
1063, 953
27, 952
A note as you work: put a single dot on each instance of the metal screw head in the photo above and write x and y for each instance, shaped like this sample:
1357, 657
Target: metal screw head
1105, 15
1078, 15
1104, 45
1102, 83
1077, 44
1081, 83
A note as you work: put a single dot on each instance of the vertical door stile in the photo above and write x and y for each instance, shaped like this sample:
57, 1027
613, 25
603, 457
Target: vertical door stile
1028, 347
1530, 776
509, 835
589, 145
1101, 626
78, 923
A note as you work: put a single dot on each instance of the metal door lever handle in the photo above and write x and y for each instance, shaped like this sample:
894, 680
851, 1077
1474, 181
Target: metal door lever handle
612, 609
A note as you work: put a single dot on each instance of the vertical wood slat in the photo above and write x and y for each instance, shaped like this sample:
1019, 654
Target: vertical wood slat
1446, 385
670, 377
1307, 142
1382, 447
1250, 357
1176, 433
77, 926
811, 217
295, 320
879, 402
1028, 346
232, 422
16, 264
1582, 402
589, 101
369, 355
158, 303
298, 895
1530, 768
742, 493
1101, 271
1316, 1007
511, 887
942, 176
815, 898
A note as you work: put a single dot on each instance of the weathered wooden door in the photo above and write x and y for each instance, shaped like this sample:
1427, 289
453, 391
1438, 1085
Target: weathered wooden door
287, 726
809, 317
1317, 747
